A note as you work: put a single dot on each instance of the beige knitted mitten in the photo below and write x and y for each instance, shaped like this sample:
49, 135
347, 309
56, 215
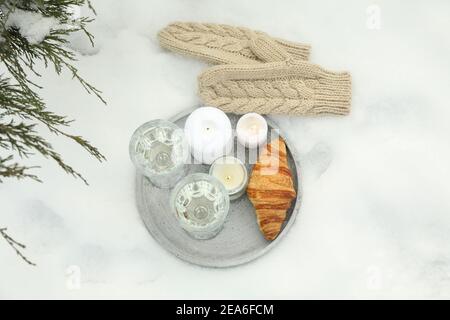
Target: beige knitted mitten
220, 44
286, 86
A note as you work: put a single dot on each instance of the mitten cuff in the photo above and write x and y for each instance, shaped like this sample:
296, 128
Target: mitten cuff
332, 94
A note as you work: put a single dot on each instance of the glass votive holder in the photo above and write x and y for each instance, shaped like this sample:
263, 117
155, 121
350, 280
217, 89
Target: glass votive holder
232, 173
160, 151
201, 204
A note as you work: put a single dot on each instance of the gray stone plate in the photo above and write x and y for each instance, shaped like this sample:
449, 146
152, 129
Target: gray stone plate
239, 242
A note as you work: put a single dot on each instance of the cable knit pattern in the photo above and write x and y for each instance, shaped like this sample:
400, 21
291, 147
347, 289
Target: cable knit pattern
289, 87
220, 44
281, 85
258, 73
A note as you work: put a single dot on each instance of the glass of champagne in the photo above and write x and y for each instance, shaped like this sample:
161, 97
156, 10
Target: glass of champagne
160, 151
201, 204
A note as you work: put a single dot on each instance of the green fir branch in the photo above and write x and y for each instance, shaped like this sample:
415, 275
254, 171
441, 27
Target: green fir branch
19, 97
21, 107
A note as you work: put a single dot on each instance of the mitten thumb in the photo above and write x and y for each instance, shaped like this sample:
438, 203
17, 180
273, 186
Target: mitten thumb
268, 50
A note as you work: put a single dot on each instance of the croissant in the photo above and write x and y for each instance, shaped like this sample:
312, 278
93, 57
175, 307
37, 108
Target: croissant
271, 189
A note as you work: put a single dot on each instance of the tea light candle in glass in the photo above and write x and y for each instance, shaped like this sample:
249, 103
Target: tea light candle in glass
209, 134
252, 130
201, 204
232, 173
160, 151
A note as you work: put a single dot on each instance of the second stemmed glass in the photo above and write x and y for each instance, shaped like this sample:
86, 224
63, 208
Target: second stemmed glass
159, 150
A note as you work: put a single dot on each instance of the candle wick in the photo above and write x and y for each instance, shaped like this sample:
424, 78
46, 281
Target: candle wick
254, 128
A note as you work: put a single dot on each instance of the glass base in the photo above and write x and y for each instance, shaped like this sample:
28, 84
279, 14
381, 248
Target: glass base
167, 181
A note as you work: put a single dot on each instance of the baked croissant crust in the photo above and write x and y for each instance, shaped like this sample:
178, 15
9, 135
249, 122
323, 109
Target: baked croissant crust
271, 189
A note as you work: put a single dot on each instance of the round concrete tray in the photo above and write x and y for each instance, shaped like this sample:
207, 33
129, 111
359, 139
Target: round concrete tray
239, 242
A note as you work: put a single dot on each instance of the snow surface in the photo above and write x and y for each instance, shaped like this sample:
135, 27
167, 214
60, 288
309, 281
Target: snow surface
375, 220
32, 25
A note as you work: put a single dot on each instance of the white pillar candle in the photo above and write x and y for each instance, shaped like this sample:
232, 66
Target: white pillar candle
208, 132
233, 175
251, 130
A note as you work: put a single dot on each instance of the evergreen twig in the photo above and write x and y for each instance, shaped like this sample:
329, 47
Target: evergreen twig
17, 246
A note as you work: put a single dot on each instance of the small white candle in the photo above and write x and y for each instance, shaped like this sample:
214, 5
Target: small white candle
233, 175
209, 134
251, 130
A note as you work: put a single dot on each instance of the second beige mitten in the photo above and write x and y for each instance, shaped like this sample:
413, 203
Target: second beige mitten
287, 86
219, 43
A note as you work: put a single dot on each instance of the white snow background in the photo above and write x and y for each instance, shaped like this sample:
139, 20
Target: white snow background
375, 219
